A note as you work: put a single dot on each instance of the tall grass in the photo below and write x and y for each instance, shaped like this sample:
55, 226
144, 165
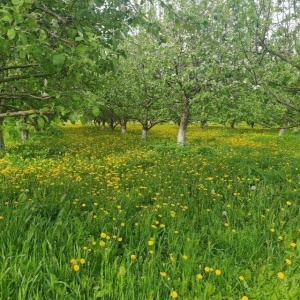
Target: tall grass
93, 214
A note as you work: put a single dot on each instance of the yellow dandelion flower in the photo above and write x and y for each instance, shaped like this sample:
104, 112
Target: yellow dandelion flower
241, 278
174, 294
151, 251
244, 298
151, 243
76, 268
293, 245
103, 235
123, 224
272, 230
133, 256
207, 269
120, 239
218, 272
288, 203
102, 244
199, 276
73, 261
280, 275
280, 237
288, 261
172, 258
185, 257
82, 261
163, 274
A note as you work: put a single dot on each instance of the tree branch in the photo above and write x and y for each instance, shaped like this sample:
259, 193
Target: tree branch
52, 13
282, 57
53, 35
279, 100
17, 67
24, 113
23, 95
20, 77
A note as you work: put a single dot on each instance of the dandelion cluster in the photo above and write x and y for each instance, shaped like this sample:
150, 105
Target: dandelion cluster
217, 217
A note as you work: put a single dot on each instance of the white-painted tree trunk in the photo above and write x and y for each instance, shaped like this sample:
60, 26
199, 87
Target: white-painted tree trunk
24, 134
144, 133
281, 131
123, 129
181, 136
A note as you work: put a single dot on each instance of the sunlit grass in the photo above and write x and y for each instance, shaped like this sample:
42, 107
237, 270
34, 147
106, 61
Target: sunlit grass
93, 214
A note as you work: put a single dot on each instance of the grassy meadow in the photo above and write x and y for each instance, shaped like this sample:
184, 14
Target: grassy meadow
87, 213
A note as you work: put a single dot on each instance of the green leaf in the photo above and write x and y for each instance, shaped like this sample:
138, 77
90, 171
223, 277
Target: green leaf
41, 122
37, 53
96, 111
11, 33
80, 37
32, 22
102, 54
17, 2
73, 118
81, 49
83, 120
6, 18
59, 59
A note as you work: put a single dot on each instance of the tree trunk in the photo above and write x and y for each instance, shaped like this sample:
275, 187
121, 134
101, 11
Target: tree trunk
281, 131
181, 136
203, 124
144, 133
124, 128
2, 145
25, 134
251, 124
232, 125
296, 129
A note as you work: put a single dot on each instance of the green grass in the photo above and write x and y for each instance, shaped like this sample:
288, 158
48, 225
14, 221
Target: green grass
227, 201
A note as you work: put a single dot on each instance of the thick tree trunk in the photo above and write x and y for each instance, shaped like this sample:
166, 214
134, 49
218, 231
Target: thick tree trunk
124, 128
296, 129
144, 133
181, 136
